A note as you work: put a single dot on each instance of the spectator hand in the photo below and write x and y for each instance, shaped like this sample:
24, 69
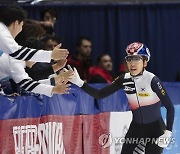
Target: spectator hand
48, 24
60, 64
61, 88
164, 139
29, 64
64, 76
75, 79
58, 54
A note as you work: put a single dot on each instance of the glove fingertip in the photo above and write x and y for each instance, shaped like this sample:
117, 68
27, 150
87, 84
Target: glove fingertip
75, 70
69, 67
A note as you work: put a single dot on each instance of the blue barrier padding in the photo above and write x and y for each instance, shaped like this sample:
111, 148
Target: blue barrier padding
173, 90
20, 107
76, 103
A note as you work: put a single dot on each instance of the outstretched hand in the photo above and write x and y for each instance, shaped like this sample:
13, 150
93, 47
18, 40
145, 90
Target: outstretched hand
59, 65
75, 79
64, 76
58, 54
61, 88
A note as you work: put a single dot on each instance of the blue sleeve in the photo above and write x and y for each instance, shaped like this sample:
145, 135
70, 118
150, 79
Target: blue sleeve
158, 88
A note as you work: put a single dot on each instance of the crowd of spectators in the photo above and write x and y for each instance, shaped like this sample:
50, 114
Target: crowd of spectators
41, 35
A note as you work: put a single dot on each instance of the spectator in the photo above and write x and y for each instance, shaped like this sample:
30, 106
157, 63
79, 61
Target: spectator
11, 68
102, 72
49, 42
82, 59
38, 71
49, 18
28, 37
11, 22
31, 29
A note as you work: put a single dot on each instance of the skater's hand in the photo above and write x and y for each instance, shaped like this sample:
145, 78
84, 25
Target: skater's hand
164, 139
75, 79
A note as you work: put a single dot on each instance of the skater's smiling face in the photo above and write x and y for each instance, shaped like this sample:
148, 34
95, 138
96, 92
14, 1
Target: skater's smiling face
135, 64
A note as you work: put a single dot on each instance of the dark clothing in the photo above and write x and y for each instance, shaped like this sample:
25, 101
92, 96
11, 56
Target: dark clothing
40, 71
99, 75
81, 66
142, 137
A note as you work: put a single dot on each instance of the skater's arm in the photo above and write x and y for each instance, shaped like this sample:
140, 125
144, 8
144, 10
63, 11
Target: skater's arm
164, 98
106, 91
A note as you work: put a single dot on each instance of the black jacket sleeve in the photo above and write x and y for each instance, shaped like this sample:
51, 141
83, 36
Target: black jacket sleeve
158, 88
106, 91
40, 71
